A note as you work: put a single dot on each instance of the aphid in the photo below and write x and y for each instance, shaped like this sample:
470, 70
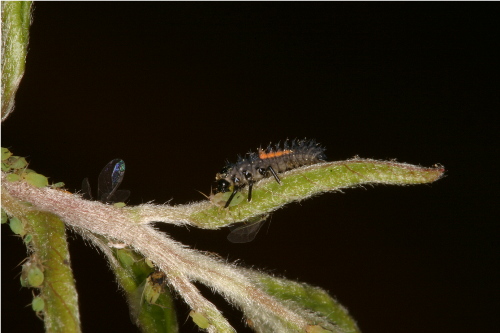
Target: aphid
17, 226
32, 274
266, 163
5, 218
149, 293
38, 305
110, 179
155, 283
199, 319
220, 199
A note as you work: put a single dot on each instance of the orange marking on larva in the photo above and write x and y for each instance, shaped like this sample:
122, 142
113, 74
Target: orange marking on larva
263, 155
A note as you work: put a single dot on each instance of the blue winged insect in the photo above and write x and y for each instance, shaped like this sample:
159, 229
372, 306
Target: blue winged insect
247, 231
109, 180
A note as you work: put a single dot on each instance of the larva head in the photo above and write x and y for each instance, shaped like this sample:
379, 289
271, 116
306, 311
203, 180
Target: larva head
222, 186
222, 183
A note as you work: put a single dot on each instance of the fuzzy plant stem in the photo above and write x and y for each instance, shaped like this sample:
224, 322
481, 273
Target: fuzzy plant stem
183, 266
179, 262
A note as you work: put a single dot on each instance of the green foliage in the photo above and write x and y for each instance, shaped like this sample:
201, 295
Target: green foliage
51, 257
47, 268
151, 304
308, 297
16, 20
302, 183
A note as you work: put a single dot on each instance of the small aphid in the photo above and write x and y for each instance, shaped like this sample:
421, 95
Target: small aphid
199, 319
154, 286
266, 163
38, 305
32, 274
220, 199
17, 226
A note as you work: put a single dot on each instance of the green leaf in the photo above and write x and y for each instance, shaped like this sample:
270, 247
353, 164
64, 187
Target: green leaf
16, 20
49, 264
302, 183
58, 290
310, 299
151, 305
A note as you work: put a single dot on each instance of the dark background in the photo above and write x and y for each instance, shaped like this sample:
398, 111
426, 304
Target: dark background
176, 89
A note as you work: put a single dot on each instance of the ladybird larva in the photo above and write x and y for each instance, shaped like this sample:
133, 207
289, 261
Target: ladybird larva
266, 163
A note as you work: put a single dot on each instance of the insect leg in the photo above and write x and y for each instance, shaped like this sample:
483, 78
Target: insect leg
250, 185
236, 190
248, 177
275, 175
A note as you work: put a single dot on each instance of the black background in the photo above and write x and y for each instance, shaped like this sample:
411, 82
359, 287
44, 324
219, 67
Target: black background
175, 89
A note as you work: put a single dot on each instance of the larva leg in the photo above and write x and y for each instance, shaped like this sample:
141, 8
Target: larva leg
236, 190
249, 178
275, 175
250, 185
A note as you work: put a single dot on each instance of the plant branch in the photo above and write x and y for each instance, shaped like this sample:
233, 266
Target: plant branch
298, 184
248, 290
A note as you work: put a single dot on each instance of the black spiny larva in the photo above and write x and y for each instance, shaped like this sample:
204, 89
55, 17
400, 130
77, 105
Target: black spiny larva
266, 163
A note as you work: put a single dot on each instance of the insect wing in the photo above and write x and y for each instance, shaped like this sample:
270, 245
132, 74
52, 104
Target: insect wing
119, 196
86, 192
109, 180
247, 232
